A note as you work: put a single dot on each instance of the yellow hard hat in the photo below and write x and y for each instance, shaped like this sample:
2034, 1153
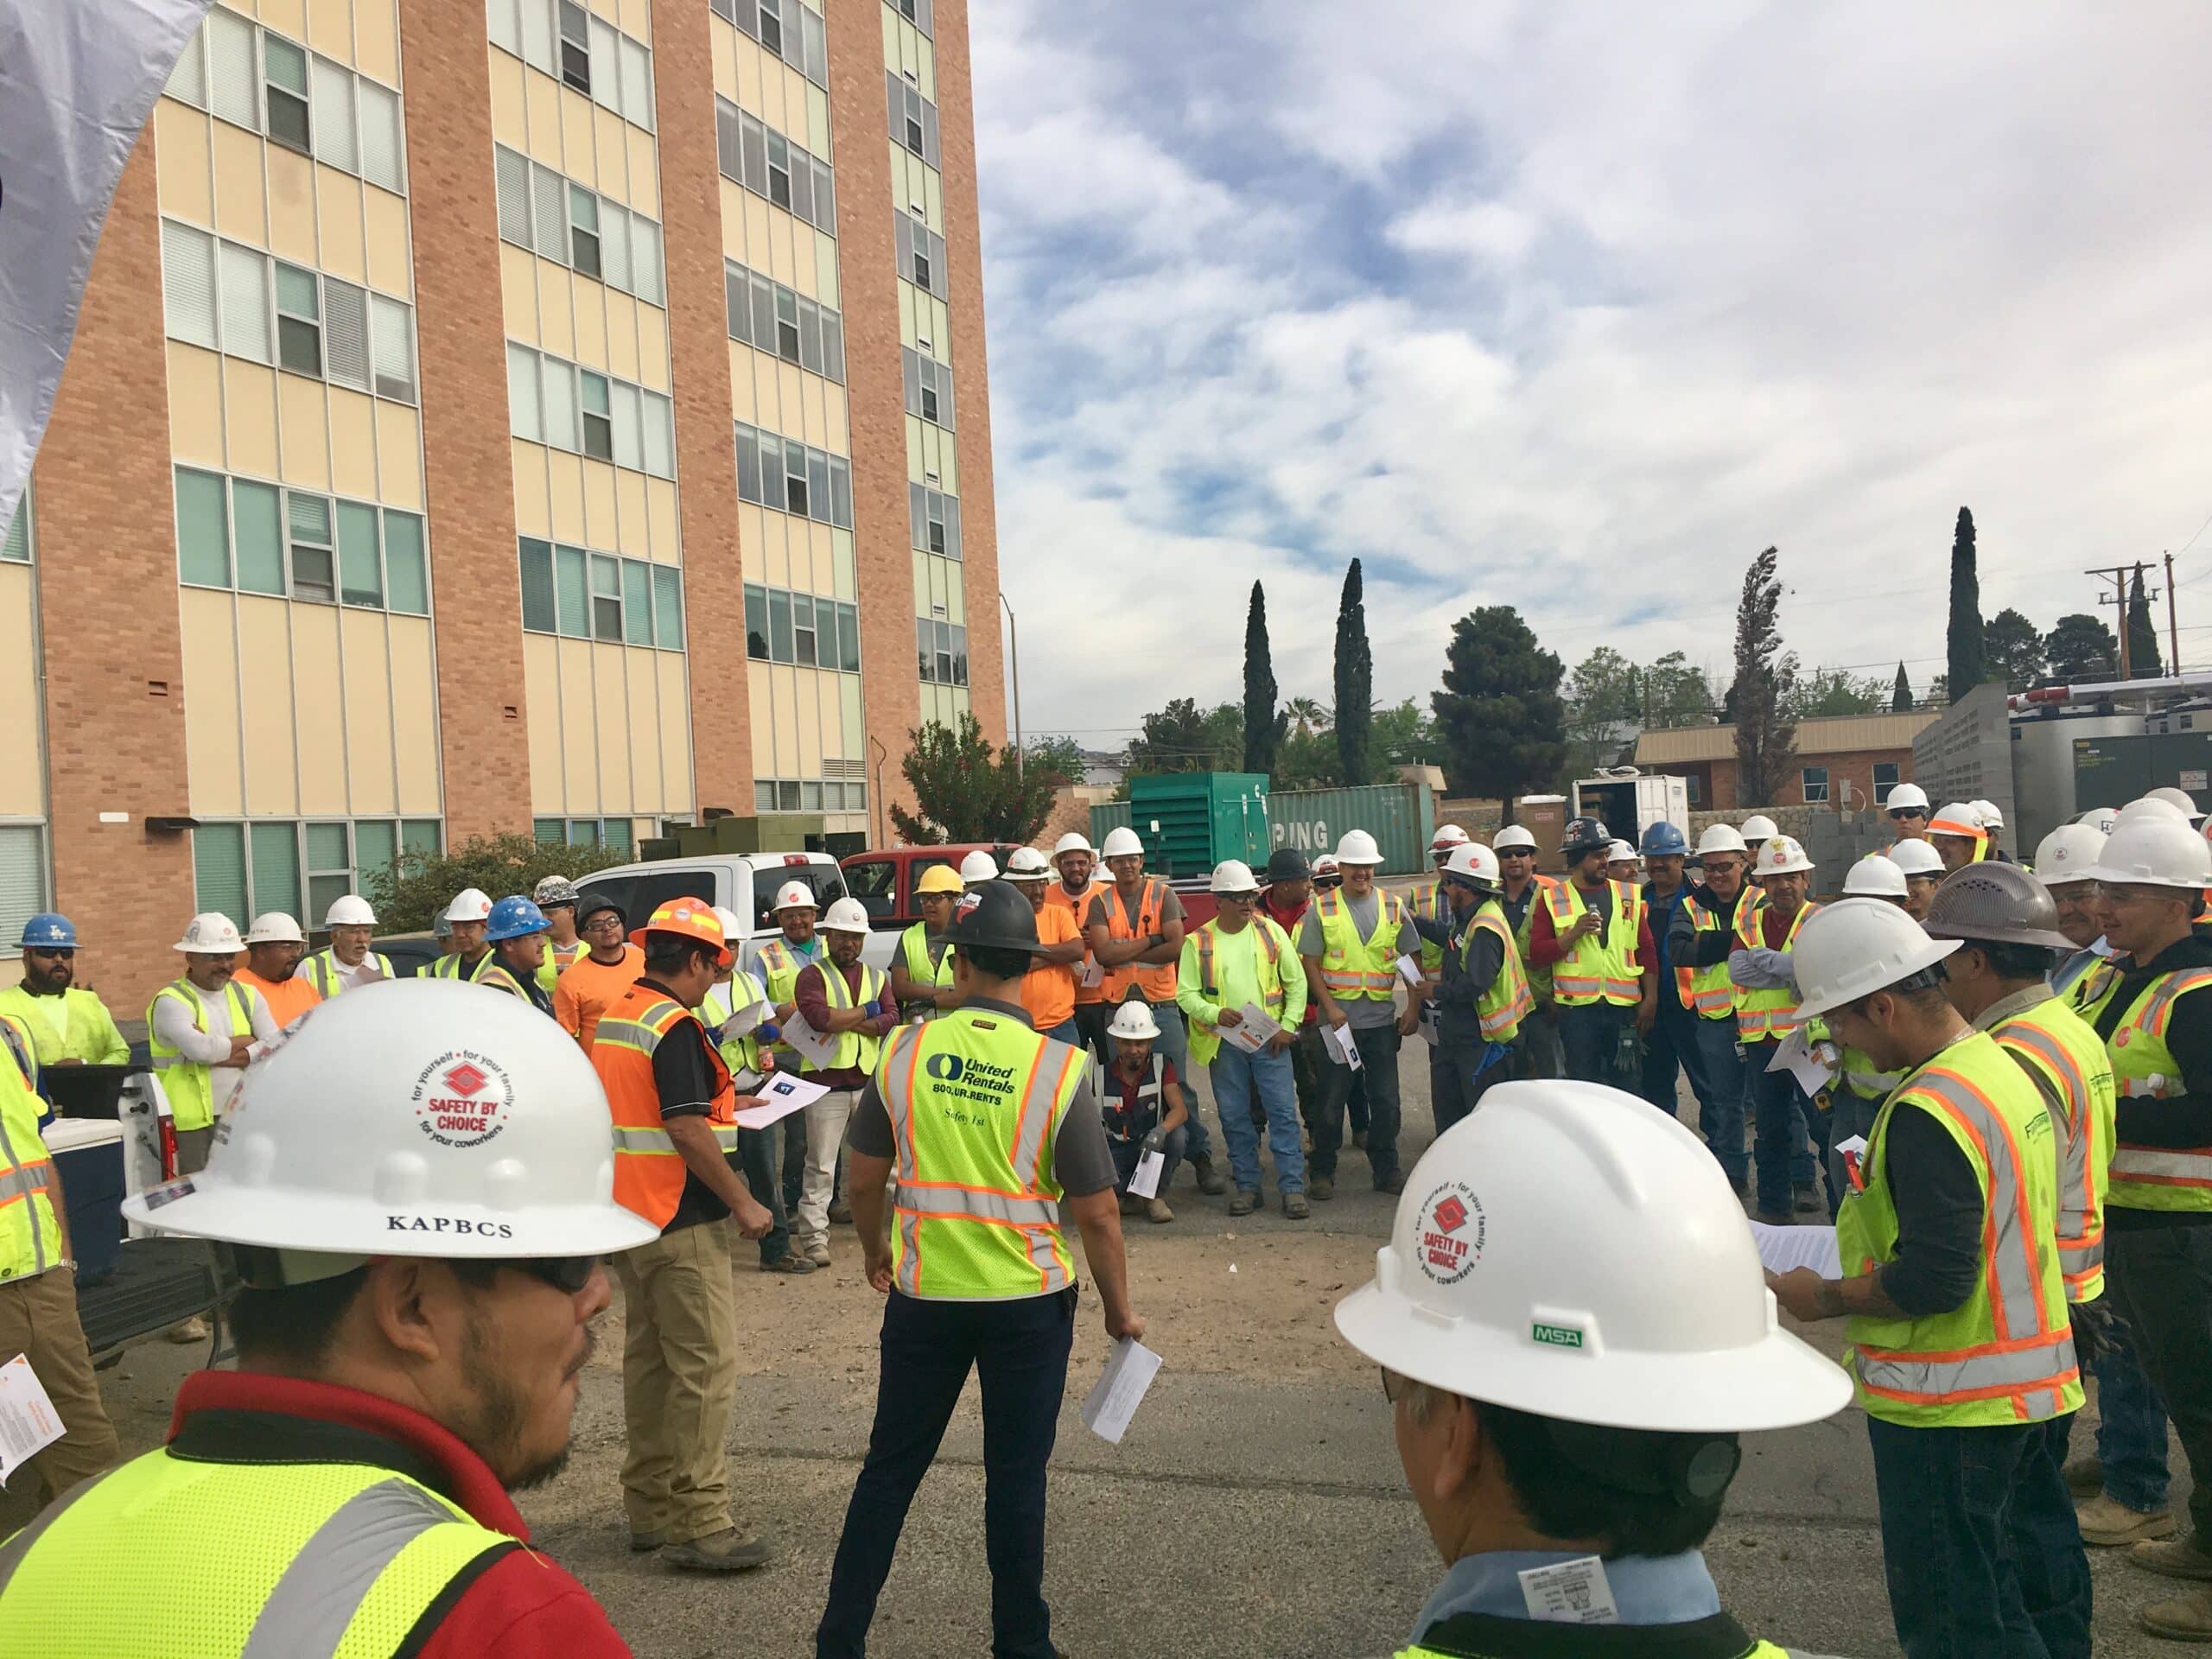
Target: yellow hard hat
938, 877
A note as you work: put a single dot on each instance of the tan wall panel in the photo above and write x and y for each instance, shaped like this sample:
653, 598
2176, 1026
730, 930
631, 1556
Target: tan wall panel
372, 787
265, 708
652, 348
211, 701
733, 219
239, 205
338, 216
542, 95
826, 272
771, 106
321, 711
785, 681
21, 783
740, 383
509, 122
631, 510
622, 314
286, 17
806, 710
777, 545
399, 456
758, 238
752, 543
837, 436
556, 309
601, 529
540, 671
676, 737
591, 323
518, 293
814, 411
660, 515
249, 417
390, 265
186, 185
723, 39
832, 715
749, 59
565, 483
804, 271
783, 248
791, 404
352, 443
758, 703
195, 392
533, 512
641, 734
414, 717
611, 152
306, 431
291, 205
644, 175
637, 20
330, 28
579, 732
376, 39
825, 557
577, 158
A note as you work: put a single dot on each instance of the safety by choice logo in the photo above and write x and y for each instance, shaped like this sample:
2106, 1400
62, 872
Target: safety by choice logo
463, 1099
1448, 1236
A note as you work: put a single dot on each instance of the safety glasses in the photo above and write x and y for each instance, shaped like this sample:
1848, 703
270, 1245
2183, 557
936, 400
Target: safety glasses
568, 1273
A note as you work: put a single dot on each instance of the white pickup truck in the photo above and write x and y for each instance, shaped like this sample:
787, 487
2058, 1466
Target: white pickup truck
747, 886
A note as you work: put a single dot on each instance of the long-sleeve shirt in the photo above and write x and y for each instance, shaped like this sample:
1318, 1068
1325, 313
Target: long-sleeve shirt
1768, 968
812, 997
1546, 948
1939, 1208
72, 1026
1236, 978
173, 1024
2182, 1120
1470, 969
1287, 918
1690, 946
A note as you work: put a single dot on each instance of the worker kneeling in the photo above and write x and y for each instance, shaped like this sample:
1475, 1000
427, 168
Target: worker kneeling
1573, 1329
418, 1185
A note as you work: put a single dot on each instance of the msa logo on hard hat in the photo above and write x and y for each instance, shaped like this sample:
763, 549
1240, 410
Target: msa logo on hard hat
1555, 1336
463, 1099
1449, 1235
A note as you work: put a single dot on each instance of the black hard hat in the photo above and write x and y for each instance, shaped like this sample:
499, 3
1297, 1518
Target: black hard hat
1288, 864
1585, 836
593, 903
996, 914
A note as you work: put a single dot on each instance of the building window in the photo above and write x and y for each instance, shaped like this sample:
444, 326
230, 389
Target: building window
929, 388
942, 652
256, 538
16, 545
809, 795
1815, 781
587, 52
22, 879
788, 476
585, 596
772, 168
921, 253
1885, 779
781, 627
1696, 788
299, 321
913, 117
918, 13
614, 834
245, 870
255, 78
558, 219
935, 520
783, 322
286, 67
788, 29
576, 46
553, 402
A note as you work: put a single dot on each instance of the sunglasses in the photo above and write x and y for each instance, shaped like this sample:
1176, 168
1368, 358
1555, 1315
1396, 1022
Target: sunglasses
61, 952
568, 1273
1394, 1386
1906, 812
601, 924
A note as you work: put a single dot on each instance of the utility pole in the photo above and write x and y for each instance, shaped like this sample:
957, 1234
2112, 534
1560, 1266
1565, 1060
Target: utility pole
2173, 620
2119, 574
1014, 639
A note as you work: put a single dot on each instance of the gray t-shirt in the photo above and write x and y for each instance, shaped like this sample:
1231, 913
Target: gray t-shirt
1361, 1013
1082, 1161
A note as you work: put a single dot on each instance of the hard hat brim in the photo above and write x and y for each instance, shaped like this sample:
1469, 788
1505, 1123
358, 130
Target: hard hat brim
1920, 957
219, 1209
2048, 939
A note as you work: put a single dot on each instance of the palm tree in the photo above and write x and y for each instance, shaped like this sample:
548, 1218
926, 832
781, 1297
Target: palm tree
1306, 715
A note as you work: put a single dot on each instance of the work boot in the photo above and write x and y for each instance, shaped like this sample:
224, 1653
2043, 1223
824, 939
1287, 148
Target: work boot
1244, 1203
1809, 1202
2108, 1523
817, 1252
1295, 1207
791, 1261
1394, 1182
2085, 1476
1211, 1182
1156, 1210
840, 1211
2172, 1558
1131, 1203
1320, 1189
192, 1330
2186, 1619
727, 1551
644, 1543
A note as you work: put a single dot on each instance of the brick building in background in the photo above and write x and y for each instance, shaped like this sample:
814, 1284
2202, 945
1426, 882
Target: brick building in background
1845, 761
502, 416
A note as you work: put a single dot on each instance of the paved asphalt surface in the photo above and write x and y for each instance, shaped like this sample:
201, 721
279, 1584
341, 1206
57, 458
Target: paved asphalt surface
1255, 1508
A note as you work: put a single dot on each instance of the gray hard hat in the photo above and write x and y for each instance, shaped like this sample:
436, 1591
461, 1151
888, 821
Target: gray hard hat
2001, 903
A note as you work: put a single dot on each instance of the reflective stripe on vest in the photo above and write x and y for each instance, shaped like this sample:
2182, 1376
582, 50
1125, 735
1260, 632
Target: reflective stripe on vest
2150, 1178
1353, 966
1430, 905
1770, 1014
855, 1049
1509, 1000
649, 1171
2079, 1093
1077, 905
31, 1233
190, 1089
1271, 996
323, 973
915, 950
1706, 992
1155, 980
740, 990
1597, 969
450, 967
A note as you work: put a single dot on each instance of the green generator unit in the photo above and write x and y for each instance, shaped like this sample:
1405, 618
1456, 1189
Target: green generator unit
1190, 821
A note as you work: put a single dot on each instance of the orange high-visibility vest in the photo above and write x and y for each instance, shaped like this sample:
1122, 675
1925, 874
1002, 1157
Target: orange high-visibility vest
1156, 981
648, 1169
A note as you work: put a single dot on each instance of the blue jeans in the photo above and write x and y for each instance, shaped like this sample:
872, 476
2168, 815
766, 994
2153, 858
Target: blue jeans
1591, 1034
1126, 1153
1979, 1541
1720, 1103
758, 1161
1066, 1032
1378, 1069
1782, 1119
1237, 1077
2131, 1425
1020, 1350
1174, 1042
1670, 1046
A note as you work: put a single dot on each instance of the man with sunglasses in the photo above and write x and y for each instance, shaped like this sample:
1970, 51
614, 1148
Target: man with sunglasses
1907, 806
66, 1026
409, 1353
1538, 1054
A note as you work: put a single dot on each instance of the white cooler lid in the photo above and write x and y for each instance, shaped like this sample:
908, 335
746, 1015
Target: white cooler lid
68, 1134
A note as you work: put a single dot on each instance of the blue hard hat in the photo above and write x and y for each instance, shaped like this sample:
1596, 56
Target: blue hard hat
49, 931
512, 918
1663, 838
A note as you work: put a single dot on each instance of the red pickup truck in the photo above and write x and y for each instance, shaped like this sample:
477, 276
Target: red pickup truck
883, 878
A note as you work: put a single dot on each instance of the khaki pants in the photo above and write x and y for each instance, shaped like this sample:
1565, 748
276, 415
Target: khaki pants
679, 1380
193, 1146
38, 1319
825, 1138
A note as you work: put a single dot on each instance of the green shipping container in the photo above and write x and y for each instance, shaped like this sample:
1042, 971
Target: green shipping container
1190, 821
1400, 816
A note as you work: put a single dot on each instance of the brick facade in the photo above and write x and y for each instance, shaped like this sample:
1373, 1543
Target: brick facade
1854, 768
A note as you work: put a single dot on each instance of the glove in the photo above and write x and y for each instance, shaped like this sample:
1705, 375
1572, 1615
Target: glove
1156, 1141
767, 1033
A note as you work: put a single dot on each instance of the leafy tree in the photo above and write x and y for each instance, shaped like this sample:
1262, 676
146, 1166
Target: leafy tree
1263, 726
1603, 693
1901, 694
1765, 739
1059, 758
413, 890
1675, 693
1183, 738
2081, 649
2142, 634
2013, 650
1404, 736
1499, 717
1830, 691
1306, 761
1355, 682
1967, 669
963, 792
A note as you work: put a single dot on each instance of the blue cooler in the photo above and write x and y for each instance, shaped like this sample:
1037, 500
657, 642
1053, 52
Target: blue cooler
88, 1152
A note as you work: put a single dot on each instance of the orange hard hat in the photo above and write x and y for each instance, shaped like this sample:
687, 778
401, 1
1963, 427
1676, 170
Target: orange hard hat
687, 918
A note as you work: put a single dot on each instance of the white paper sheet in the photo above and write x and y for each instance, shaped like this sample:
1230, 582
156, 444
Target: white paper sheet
780, 1096
1409, 970
1794, 1054
1119, 1389
1783, 1248
29, 1422
746, 1021
1144, 1179
1253, 1030
1340, 1045
1430, 1032
805, 1039
1092, 976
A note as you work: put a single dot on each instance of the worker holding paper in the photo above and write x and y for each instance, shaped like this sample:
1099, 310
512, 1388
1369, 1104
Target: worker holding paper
1481, 993
1140, 1099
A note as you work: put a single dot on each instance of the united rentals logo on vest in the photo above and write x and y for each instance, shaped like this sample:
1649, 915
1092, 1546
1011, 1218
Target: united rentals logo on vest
1449, 1233
452, 1105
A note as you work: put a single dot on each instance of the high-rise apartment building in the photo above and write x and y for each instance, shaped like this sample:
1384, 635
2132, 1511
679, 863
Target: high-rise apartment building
500, 414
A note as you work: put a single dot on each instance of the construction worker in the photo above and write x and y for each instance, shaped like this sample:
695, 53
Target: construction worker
1141, 1103
1907, 805
1135, 929
1329, 877
977, 867
1962, 1348
471, 959
849, 1003
1959, 835
409, 1352
2066, 864
2147, 1004
1605, 1424
202, 1025
38, 1293
735, 997
347, 963
517, 932
1991, 819
946, 1117
1758, 828
921, 968
1621, 863
1592, 933
1760, 967
556, 897
65, 1025
1048, 989
274, 949
1848, 1107
1481, 995
1328, 874
1238, 961
1351, 944
1284, 902
1075, 859
1428, 903
1701, 935
1519, 887
1670, 1046
600, 978
1923, 871
777, 964
667, 1087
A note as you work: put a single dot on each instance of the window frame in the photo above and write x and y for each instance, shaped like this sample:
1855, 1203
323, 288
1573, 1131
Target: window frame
1806, 785
568, 73
1884, 786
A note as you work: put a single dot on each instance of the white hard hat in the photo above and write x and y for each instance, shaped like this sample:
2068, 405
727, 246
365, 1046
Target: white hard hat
1855, 947
210, 933
979, 866
2150, 806
1514, 835
1758, 827
844, 916
1325, 864
733, 930
1357, 847
2100, 819
1447, 836
1475, 862
1875, 876
1780, 855
469, 904
2069, 853
1958, 818
435, 1118
1992, 815
1121, 842
1134, 1022
1233, 875
1916, 858
349, 911
1903, 795
1073, 842
1027, 864
2155, 853
2180, 798
796, 895
1619, 852
1721, 838
275, 927
1570, 1251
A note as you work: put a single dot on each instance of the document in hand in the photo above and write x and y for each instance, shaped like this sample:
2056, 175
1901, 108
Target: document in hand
1342, 1049
1794, 1054
1409, 970
1144, 1179
1783, 1248
806, 1040
746, 1021
1253, 1030
1119, 1389
780, 1097
29, 1422
1092, 976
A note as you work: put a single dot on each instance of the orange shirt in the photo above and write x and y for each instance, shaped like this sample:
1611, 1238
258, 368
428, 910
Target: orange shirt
287, 1002
587, 989
1048, 988
1077, 905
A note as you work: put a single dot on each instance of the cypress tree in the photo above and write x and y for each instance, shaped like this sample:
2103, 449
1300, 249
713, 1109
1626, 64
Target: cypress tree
2143, 661
1901, 694
1355, 685
1965, 667
1263, 725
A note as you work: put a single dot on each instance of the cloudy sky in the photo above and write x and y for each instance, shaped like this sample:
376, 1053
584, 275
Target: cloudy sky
1577, 306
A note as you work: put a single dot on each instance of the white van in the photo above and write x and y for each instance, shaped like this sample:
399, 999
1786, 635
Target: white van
745, 884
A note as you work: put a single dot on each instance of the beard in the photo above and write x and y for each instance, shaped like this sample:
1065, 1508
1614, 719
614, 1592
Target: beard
498, 1421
